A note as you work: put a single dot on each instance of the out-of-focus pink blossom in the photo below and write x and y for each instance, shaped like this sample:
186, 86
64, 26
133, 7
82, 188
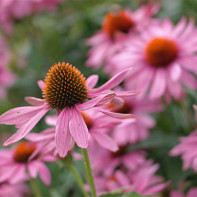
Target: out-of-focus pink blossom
188, 151
191, 193
134, 130
16, 9
16, 162
116, 29
15, 190
139, 176
163, 57
66, 90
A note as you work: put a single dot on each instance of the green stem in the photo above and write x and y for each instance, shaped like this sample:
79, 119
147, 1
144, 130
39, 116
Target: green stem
88, 171
188, 114
35, 188
78, 179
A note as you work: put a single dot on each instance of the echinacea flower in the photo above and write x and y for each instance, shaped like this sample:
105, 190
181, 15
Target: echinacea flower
16, 190
66, 90
17, 161
116, 28
187, 150
140, 177
163, 57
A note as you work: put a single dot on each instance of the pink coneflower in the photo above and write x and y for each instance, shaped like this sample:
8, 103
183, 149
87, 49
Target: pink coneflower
134, 130
187, 150
162, 56
140, 177
66, 90
16, 190
116, 28
16, 161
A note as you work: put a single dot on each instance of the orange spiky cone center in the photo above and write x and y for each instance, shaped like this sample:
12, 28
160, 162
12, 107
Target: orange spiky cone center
119, 22
160, 52
23, 152
65, 86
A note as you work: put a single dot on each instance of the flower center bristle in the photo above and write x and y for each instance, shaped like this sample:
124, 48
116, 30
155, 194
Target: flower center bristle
160, 52
23, 151
87, 119
119, 22
65, 86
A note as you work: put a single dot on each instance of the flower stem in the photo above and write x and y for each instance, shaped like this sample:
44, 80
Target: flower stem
35, 188
188, 114
78, 179
88, 171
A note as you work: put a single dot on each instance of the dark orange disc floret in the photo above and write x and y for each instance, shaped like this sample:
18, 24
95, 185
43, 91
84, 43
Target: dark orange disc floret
65, 86
23, 151
87, 119
118, 22
160, 52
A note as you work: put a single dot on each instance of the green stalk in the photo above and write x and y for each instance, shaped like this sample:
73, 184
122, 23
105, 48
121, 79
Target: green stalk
78, 179
88, 171
35, 188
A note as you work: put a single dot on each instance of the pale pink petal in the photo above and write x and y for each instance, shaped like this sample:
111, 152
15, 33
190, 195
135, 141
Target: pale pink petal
34, 101
92, 81
113, 82
51, 120
116, 115
27, 127
126, 93
105, 141
95, 102
159, 84
41, 84
63, 139
78, 129
44, 173
175, 72
19, 175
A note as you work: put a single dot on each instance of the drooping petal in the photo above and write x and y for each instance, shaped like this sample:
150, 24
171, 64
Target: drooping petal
44, 173
105, 141
113, 82
95, 102
34, 101
51, 120
78, 129
19, 115
126, 93
41, 84
92, 81
27, 127
63, 138
116, 115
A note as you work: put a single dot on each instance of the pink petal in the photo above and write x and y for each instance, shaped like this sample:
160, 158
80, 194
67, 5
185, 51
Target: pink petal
51, 120
63, 139
19, 175
44, 173
159, 84
19, 115
175, 72
27, 127
126, 93
32, 169
105, 141
113, 82
92, 81
116, 115
41, 84
95, 102
34, 101
78, 129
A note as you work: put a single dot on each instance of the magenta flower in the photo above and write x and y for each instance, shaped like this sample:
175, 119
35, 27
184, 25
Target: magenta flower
162, 57
14, 163
16, 190
139, 176
66, 90
134, 130
115, 30
187, 150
